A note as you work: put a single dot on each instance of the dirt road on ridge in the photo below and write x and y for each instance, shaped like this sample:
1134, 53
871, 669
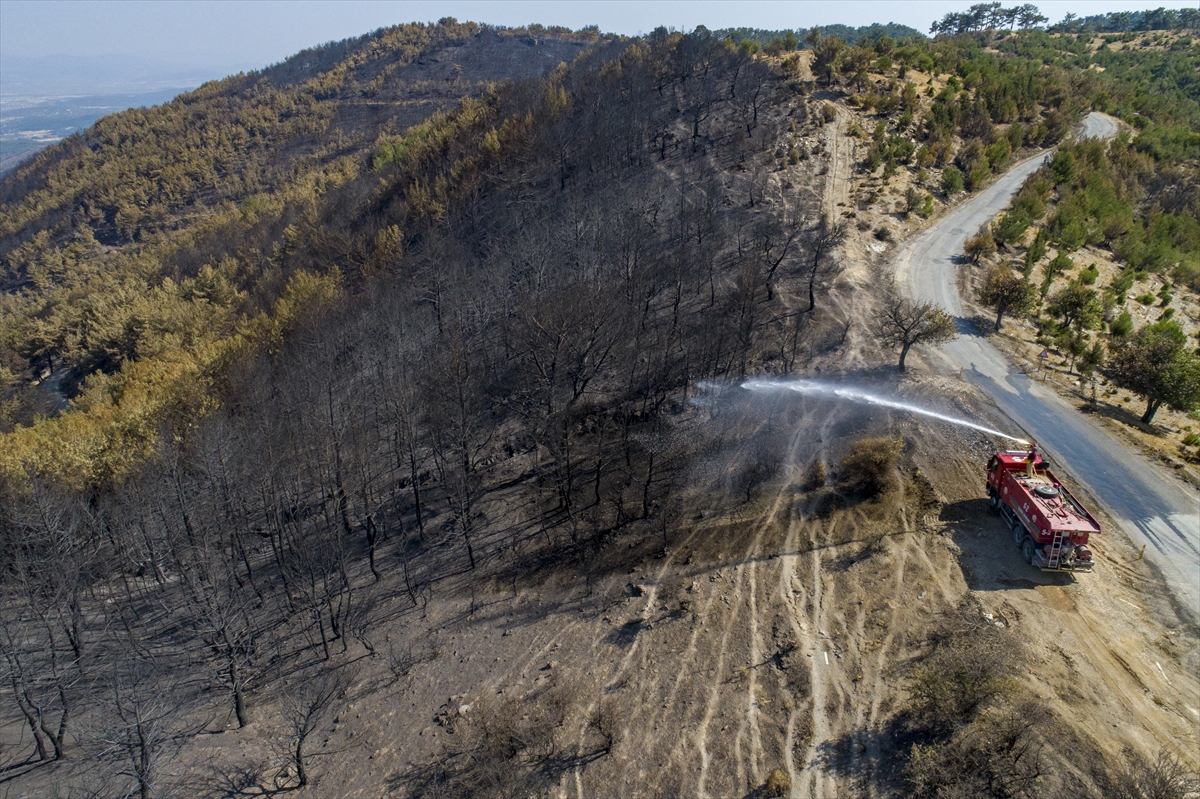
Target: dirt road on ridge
1149, 504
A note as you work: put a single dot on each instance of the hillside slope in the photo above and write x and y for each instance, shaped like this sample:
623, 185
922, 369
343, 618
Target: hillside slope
146, 171
158, 233
450, 488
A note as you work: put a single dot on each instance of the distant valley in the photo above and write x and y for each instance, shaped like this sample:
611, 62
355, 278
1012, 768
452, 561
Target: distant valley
44, 99
30, 123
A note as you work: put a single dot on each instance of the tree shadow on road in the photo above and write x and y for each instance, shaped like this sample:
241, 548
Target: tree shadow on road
973, 326
1117, 413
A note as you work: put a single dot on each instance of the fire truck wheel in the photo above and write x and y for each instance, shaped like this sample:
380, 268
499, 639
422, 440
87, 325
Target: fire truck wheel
994, 502
1018, 534
1027, 550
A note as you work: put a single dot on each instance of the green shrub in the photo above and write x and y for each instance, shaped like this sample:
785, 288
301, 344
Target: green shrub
1012, 226
1121, 284
1191, 440
1032, 199
1063, 166
1122, 326
979, 175
998, 154
894, 149
1037, 249
1069, 230
1016, 136
1060, 264
1147, 299
912, 201
952, 180
1188, 273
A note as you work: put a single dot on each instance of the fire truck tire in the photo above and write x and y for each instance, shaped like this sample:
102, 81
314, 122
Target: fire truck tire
1027, 550
1019, 535
994, 502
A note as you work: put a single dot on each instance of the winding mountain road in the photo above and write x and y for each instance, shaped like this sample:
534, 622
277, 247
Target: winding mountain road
1150, 505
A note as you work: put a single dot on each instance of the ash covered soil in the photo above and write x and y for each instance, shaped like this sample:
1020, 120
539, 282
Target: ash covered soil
750, 636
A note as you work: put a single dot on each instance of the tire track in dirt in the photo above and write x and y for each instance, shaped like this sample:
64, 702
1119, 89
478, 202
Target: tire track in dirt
863, 769
795, 601
841, 163
748, 727
746, 572
749, 765
874, 660
576, 774
789, 588
714, 695
657, 668
883, 657
854, 303
835, 716
751, 741
701, 723
1126, 687
851, 665
691, 663
684, 668
828, 688
688, 659
812, 783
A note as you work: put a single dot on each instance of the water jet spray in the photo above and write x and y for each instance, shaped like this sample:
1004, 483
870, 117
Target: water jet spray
820, 388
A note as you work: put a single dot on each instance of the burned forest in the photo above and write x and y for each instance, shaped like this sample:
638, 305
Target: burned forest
386, 438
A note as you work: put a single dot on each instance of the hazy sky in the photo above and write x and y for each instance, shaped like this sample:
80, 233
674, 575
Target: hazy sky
226, 33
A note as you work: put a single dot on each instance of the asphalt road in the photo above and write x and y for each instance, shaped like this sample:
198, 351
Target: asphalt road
1151, 506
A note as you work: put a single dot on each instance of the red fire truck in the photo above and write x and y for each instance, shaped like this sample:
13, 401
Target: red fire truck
1049, 525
